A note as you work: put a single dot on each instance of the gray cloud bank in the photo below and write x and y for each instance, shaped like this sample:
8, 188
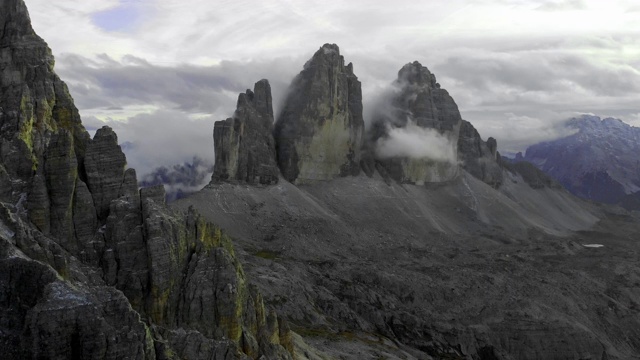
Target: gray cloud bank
519, 95
180, 102
161, 138
106, 83
180, 180
517, 86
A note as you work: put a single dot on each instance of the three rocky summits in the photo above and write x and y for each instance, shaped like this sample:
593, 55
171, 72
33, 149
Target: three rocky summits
320, 133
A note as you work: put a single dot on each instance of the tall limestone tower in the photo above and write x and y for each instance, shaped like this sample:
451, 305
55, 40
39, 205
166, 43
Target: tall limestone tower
320, 131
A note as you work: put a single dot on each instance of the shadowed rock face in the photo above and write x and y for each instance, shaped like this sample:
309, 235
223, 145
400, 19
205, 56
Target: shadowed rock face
423, 101
417, 101
417, 105
91, 267
42, 139
244, 146
477, 157
320, 130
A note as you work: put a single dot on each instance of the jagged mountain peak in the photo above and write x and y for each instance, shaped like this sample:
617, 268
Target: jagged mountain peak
330, 49
416, 74
319, 132
14, 21
329, 54
243, 144
598, 162
592, 124
261, 97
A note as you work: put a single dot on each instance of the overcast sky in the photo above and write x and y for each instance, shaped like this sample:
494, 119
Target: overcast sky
162, 71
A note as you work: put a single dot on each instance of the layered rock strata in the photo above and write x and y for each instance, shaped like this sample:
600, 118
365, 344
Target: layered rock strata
416, 106
244, 145
320, 130
477, 157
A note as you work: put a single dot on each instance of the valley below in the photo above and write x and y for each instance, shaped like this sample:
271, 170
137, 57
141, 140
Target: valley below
367, 270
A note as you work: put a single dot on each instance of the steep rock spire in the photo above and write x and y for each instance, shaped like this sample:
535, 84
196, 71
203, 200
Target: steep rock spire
244, 146
418, 109
477, 157
320, 130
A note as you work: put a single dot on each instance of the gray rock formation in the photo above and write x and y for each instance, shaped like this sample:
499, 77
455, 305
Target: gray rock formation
420, 108
41, 130
104, 165
479, 158
91, 267
244, 145
46, 317
319, 133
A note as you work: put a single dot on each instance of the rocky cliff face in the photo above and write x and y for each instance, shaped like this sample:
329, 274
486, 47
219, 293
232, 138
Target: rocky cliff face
40, 124
599, 162
320, 130
418, 136
91, 267
244, 145
477, 157
418, 109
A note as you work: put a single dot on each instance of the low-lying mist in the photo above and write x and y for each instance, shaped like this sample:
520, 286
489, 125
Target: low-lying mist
416, 142
180, 180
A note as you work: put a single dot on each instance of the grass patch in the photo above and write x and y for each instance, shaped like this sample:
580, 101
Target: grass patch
338, 336
267, 254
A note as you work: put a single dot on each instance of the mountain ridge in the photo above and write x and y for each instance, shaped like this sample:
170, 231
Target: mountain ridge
598, 162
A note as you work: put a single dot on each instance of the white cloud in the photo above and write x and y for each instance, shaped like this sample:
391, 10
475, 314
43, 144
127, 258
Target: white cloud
416, 142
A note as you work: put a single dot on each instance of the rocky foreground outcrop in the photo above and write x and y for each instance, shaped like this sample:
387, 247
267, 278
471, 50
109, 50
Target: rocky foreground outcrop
244, 146
91, 267
320, 130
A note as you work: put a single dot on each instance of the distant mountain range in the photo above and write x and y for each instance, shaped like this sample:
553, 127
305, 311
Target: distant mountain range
600, 161
181, 180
